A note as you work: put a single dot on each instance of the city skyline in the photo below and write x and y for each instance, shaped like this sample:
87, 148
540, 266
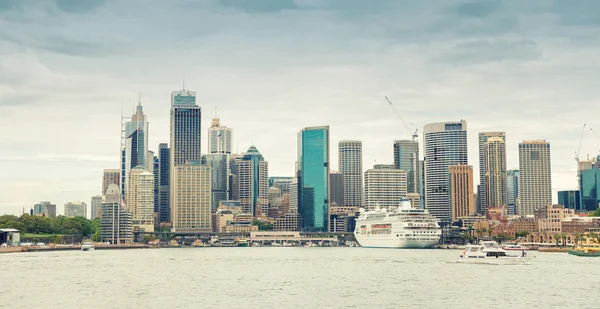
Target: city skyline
75, 85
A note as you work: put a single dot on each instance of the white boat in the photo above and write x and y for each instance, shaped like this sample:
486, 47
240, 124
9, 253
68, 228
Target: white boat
488, 252
515, 247
309, 244
404, 227
255, 244
87, 246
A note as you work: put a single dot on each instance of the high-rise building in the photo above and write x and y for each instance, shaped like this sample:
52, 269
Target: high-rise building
350, 166
48, 209
512, 186
156, 173
140, 199
461, 191
136, 143
294, 196
115, 221
589, 182
110, 176
219, 164
96, 205
281, 182
191, 198
481, 194
406, 158
535, 185
570, 199
234, 162
76, 209
253, 183
164, 178
385, 186
445, 144
186, 119
39, 209
336, 188
313, 178
219, 137
495, 173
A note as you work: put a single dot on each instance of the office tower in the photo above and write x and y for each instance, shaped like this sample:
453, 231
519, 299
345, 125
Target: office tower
385, 186
445, 144
481, 188
234, 162
313, 178
96, 205
219, 164
110, 176
294, 196
422, 182
336, 188
185, 128
589, 187
164, 178
281, 182
219, 138
461, 191
253, 183
140, 199
350, 166
136, 144
570, 199
156, 173
39, 209
115, 221
406, 158
191, 198
76, 209
274, 194
535, 185
495, 172
512, 186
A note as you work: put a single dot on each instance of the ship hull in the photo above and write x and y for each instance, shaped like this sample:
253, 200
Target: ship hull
384, 242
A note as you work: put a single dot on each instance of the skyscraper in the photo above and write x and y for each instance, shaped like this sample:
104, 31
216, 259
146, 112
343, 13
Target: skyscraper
535, 186
253, 182
462, 197
445, 144
313, 178
110, 176
219, 137
569, 199
219, 164
191, 198
590, 189
385, 186
76, 209
336, 188
350, 166
281, 182
96, 205
234, 162
406, 158
495, 172
185, 128
164, 178
483, 138
140, 199
156, 173
115, 222
512, 185
136, 143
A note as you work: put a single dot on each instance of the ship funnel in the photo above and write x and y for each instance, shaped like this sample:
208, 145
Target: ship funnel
405, 204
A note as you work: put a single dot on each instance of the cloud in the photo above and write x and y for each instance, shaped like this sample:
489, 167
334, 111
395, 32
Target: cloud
477, 9
260, 6
478, 51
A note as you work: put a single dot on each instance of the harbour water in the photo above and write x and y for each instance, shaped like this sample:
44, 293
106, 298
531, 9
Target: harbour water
292, 278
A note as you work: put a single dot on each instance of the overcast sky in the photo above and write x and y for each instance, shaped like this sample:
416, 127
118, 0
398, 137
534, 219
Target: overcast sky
272, 67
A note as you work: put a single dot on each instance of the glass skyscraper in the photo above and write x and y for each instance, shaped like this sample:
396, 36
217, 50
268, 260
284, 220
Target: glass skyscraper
570, 199
512, 185
590, 193
164, 210
313, 178
186, 118
406, 158
219, 164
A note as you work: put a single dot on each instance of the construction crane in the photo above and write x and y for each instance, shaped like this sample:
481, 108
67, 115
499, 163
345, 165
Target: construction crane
580, 140
414, 134
598, 135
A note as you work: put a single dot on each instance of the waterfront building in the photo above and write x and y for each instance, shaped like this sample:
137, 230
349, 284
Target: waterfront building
313, 178
219, 164
164, 189
191, 198
253, 181
140, 199
570, 199
288, 223
219, 137
496, 191
336, 188
535, 183
523, 224
512, 186
136, 144
461, 191
281, 182
76, 209
550, 218
445, 144
406, 158
96, 205
385, 186
110, 176
481, 188
350, 166
581, 225
589, 181
115, 220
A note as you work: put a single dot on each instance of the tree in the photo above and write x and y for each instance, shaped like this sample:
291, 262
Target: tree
520, 234
596, 213
468, 238
483, 230
557, 238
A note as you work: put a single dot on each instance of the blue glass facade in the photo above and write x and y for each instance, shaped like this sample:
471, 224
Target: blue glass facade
164, 189
218, 163
570, 199
313, 178
590, 195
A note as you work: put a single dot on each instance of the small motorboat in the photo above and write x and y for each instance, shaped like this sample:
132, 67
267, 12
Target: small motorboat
87, 246
488, 252
515, 247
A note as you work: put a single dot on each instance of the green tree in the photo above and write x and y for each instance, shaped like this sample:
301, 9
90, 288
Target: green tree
595, 213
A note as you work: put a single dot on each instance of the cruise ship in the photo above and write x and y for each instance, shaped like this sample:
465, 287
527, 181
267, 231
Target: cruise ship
404, 227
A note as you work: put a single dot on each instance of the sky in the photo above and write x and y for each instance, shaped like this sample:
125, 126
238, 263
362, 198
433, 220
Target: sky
272, 67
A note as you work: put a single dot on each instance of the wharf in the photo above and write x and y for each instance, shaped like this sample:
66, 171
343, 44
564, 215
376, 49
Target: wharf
68, 248
554, 249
